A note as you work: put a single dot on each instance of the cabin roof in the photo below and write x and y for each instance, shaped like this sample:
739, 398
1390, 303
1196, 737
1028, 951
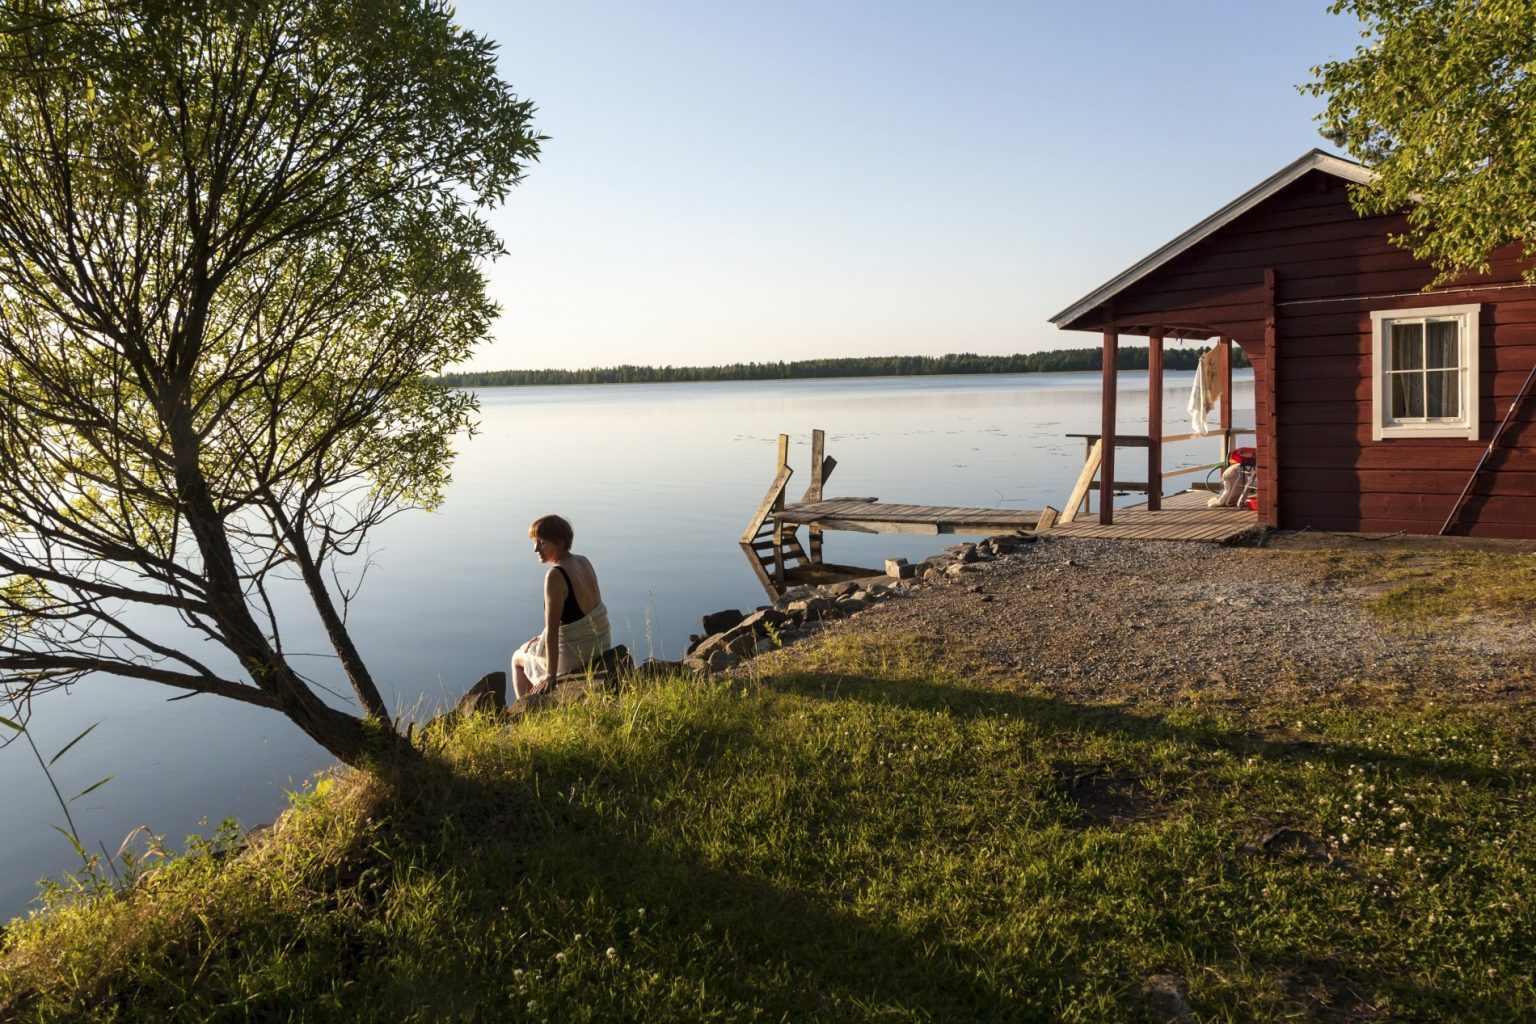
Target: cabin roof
1316, 160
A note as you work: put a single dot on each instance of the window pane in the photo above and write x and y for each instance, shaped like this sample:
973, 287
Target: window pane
1407, 346
1444, 395
1443, 350
1407, 395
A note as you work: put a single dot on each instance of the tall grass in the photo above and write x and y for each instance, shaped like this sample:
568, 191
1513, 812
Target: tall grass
864, 838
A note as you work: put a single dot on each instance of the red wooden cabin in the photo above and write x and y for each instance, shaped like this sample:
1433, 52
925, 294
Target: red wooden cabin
1375, 399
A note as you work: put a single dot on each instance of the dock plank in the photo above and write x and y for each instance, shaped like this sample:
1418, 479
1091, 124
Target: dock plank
878, 517
1183, 516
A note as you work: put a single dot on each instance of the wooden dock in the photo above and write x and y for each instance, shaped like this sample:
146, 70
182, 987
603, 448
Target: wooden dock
868, 515
771, 541
1182, 517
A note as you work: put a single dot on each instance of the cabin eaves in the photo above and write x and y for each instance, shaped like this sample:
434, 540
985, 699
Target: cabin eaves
1316, 160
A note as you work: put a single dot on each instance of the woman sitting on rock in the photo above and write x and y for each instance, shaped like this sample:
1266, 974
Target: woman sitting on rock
575, 619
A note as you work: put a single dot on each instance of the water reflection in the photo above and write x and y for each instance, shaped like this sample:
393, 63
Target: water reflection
658, 479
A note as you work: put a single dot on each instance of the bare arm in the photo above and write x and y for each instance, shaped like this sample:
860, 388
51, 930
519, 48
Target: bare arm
554, 599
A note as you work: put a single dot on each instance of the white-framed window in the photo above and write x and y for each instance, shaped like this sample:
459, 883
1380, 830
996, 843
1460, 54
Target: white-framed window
1424, 372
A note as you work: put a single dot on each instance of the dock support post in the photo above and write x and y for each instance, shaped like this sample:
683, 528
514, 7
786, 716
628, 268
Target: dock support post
813, 492
1155, 421
778, 520
1107, 430
1089, 455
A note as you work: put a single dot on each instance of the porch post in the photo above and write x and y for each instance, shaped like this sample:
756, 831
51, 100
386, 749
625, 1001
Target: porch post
1269, 476
1155, 421
1226, 398
1107, 430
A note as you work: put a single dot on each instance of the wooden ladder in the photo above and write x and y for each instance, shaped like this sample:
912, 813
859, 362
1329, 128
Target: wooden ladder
775, 551
771, 544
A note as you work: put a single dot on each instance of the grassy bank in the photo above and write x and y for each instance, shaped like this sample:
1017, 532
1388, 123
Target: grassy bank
865, 836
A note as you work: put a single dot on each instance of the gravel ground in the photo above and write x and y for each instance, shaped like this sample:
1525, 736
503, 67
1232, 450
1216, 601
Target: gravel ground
1109, 620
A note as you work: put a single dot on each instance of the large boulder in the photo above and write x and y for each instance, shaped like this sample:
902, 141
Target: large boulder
810, 609
738, 642
489, 694
794, 594
764, 619
719, 622
658, 668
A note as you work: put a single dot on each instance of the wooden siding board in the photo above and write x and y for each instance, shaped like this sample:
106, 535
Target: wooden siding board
1315, 480
1385, 458
1302, 266
1348, 524
1422, 508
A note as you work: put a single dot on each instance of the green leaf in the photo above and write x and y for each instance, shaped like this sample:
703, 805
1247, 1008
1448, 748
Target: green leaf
12, 725
91, 788
72, 742
72, 840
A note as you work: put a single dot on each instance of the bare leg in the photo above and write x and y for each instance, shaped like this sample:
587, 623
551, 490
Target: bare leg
522, 686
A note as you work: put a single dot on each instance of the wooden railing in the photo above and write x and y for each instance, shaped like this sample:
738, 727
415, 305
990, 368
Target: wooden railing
1078, 502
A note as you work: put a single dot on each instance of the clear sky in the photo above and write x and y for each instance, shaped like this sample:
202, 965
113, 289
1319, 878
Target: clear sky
731, 181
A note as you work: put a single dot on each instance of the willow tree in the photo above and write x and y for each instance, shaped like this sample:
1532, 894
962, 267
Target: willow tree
235, 236
1439, 102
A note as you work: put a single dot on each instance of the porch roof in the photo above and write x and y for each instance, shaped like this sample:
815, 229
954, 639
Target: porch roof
1316, 160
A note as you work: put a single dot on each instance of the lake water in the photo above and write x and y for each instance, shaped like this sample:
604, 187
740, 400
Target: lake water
658, 480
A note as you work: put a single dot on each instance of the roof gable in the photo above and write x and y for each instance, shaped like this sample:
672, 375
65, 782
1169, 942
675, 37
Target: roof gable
1316, 160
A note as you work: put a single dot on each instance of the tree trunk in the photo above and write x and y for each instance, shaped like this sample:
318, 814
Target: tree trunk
371, 743
336, 630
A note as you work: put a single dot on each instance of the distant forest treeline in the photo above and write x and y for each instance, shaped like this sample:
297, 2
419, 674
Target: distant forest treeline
1060, 360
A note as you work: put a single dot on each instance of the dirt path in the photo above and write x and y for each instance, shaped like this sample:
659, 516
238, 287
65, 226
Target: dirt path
1096, 620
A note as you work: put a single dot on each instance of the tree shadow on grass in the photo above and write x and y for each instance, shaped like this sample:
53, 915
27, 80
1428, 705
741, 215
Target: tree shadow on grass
466, 906
918, 693
724, 943
472, 880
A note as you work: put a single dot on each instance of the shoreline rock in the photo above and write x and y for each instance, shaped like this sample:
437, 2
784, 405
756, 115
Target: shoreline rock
800, 610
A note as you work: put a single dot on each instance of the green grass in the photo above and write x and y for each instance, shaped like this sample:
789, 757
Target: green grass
869, 838
1413, 586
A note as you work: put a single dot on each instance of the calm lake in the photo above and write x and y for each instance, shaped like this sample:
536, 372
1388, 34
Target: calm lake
658, 480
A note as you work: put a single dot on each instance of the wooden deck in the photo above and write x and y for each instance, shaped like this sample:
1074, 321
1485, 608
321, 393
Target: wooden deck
1182, 517
771, 541
867, 515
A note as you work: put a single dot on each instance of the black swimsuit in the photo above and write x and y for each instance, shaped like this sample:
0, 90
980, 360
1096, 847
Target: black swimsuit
572, 611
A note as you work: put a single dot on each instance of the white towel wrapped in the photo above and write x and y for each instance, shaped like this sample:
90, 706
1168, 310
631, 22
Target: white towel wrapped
581, 643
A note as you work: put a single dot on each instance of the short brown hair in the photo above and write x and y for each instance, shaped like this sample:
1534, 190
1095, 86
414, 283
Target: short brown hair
553, 529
